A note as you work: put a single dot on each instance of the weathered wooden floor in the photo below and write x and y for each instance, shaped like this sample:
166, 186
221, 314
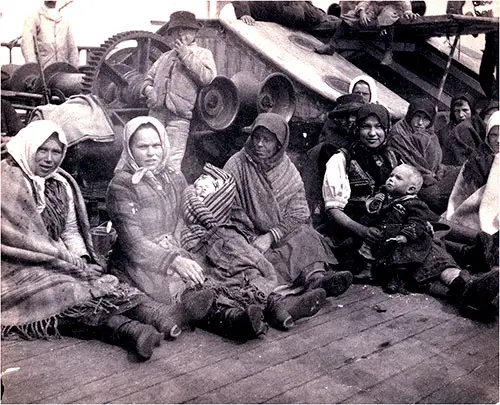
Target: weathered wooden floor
365, 347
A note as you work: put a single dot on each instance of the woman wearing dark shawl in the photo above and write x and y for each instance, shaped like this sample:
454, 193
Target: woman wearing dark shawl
352, 175
463, 134
51, 283
144, 201
414, 140
271, 202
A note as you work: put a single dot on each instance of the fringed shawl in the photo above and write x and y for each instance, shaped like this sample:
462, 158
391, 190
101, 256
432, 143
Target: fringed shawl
40, 281
202, 216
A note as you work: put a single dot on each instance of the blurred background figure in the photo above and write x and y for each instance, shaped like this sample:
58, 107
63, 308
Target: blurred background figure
49, 33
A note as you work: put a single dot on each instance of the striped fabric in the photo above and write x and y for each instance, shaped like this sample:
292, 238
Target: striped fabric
215, 209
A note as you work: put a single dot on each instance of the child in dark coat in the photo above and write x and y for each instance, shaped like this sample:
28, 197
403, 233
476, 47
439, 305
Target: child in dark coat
407, 254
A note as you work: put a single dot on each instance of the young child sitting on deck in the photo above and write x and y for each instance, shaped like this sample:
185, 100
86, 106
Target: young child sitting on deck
402, 257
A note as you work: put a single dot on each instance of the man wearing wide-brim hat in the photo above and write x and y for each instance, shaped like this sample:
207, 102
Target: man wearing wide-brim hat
171, 85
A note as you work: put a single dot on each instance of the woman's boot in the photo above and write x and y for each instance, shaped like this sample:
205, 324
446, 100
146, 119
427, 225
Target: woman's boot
157, 314
476, 296
235, 323
128, 333
172, 319
334, 283
282, 311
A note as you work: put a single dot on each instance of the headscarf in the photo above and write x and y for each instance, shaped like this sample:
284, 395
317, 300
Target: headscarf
23, 148
380, 161
276, 124
493, 122
477, 167
127, 161
423, 105
371, 84
476, 121
379, 111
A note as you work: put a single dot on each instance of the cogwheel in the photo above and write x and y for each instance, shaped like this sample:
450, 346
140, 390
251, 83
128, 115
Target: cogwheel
119, 64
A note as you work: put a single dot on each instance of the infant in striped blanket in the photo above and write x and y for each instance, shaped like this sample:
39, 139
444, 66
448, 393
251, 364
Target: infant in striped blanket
211, 232
206, 185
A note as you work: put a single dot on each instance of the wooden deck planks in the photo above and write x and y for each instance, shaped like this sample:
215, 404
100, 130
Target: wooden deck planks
365, 346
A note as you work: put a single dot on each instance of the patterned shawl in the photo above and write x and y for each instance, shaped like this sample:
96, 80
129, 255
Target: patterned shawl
41, 281
202, 216
271, 193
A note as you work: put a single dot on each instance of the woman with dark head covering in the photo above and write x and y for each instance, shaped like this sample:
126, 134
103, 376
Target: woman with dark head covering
352, 175
271, 201
144, 201
464, 133
414, 140
51, 282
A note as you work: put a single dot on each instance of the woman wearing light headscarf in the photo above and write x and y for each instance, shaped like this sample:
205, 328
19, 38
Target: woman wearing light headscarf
144, 202
365, 87
271, 202
51, 283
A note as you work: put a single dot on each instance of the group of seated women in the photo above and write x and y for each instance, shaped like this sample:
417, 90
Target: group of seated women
235, 252
175, 263
384, 194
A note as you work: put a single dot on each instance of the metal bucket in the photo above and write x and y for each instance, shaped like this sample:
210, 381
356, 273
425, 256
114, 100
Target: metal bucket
248, 88
218, 103
102, 240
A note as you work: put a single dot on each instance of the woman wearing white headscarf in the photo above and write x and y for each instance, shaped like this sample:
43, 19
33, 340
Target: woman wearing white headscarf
364, 86
51, 282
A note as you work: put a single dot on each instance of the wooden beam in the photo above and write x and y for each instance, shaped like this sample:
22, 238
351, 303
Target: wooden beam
410, 76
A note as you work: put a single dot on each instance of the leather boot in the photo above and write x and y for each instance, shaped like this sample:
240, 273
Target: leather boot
334, 283
479, 299
128, 333
194, 306
235, 323
296, 306
157, 314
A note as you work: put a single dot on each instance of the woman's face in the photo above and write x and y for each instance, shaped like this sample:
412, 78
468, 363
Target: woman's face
265, 143
363, 90
420, 121
48, 157
146, 148
493, 139
462, 111
371, 132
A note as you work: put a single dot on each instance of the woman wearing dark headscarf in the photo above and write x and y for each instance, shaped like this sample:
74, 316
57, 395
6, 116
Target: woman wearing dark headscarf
414, 140
144, 202
352, 175
271, 199
464, 133
51, 282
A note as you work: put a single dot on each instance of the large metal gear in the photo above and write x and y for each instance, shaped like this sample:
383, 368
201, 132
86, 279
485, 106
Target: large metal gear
116, 70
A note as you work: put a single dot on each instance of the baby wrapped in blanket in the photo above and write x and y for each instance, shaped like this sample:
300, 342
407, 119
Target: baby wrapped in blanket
210, 233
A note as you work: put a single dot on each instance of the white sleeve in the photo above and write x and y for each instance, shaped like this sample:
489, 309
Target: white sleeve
336, 187
71, 235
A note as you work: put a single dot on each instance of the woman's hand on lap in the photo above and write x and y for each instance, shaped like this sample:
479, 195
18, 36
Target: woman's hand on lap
263, 242
188, 270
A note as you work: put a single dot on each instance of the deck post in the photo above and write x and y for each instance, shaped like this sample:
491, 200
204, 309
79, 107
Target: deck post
448, 66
